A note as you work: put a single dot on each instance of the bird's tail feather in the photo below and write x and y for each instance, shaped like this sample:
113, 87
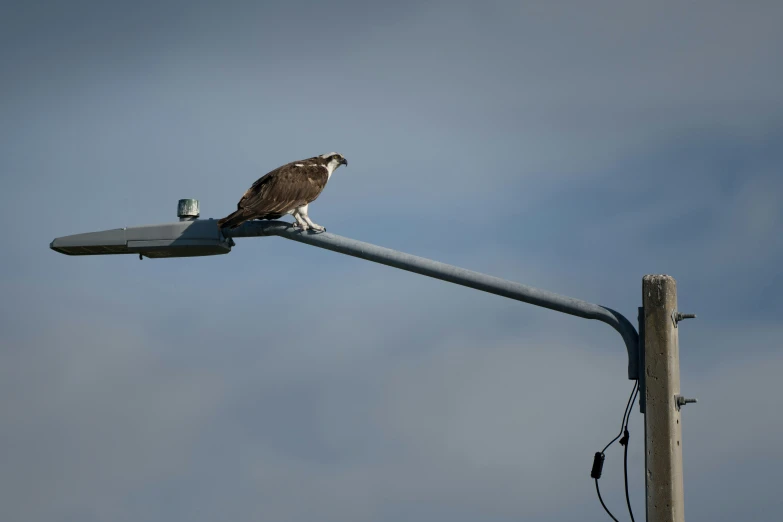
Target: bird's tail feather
233, 220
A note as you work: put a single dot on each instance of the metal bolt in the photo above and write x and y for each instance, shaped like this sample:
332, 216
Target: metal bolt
682, 401
677, 317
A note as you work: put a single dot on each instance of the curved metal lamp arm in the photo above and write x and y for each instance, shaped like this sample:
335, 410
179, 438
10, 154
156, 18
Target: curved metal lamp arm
453, 274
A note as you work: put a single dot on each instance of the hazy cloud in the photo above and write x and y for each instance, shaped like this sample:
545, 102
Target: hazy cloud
568, 148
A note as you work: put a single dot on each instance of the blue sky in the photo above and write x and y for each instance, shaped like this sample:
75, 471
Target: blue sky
569, 148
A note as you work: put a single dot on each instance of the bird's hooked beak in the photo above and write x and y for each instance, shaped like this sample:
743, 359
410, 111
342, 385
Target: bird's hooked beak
344, 162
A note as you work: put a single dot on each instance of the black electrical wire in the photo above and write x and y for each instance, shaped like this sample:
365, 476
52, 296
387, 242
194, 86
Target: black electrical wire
627, 437
602, 501
625, 473
598, 462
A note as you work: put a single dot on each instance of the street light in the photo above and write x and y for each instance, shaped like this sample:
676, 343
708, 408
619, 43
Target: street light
201, 237
656, 369
187, 238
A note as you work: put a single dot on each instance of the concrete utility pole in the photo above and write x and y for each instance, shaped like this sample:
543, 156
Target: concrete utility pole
663, 431
653, 356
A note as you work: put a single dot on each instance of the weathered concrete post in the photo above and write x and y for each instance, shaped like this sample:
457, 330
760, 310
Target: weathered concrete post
662, 428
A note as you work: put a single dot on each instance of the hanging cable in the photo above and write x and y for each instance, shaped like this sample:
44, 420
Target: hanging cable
624, 442
598, 459
597, 490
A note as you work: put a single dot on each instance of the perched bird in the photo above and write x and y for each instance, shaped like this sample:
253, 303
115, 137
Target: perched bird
286, 190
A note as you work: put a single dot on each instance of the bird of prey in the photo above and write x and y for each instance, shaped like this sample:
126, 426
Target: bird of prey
286, 190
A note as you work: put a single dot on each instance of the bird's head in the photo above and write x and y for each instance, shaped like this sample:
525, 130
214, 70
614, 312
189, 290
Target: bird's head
334, 160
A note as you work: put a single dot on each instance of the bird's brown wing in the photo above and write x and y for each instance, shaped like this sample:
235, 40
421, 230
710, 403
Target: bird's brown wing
283, 189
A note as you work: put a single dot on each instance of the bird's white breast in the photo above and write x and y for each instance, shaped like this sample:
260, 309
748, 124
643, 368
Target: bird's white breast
330, 168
